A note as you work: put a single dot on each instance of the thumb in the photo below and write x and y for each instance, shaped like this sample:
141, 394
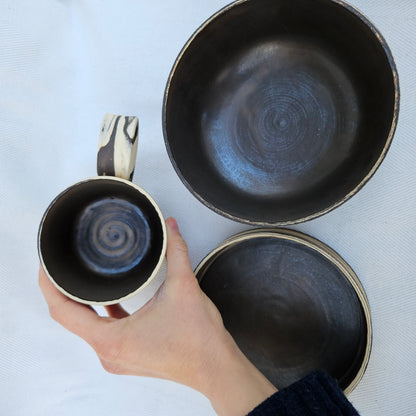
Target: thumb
178, 264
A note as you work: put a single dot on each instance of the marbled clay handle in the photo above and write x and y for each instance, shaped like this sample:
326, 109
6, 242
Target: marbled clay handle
117, 146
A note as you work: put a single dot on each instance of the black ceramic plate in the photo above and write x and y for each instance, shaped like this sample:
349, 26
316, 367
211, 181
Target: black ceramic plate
292, 305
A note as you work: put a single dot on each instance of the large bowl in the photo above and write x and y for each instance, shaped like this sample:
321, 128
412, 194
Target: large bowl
278, 111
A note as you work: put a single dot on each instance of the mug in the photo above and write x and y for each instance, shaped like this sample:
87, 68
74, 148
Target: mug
103, 239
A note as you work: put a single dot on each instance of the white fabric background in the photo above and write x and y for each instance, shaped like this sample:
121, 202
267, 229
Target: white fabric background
63, 64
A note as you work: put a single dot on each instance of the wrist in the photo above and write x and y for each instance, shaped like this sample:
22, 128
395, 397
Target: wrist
232, 383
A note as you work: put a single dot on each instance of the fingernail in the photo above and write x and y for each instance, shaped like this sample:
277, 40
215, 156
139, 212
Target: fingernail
171, 222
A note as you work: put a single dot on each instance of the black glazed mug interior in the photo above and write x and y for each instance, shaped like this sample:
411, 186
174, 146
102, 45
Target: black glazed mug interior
101, 239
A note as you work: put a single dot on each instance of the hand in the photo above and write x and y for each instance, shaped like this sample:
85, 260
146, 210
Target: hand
178, 335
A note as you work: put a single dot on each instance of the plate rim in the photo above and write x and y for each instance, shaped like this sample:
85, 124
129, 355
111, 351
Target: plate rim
319, 247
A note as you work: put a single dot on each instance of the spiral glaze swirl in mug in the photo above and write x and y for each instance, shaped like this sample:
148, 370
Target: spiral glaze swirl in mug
112, 236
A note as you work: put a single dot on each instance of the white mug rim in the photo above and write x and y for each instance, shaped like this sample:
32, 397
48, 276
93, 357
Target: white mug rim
158, 264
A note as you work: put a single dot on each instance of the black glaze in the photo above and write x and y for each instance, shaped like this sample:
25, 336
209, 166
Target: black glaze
105, 156
112, 236
277, 111
62, 259
290, 309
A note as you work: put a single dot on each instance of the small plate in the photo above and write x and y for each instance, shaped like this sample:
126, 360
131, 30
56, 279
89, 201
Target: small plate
292, 304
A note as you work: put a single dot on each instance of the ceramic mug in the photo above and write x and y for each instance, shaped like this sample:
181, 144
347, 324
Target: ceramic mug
103, 239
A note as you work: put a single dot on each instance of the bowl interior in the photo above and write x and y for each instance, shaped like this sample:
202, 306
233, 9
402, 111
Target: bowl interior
290, 309
276, 111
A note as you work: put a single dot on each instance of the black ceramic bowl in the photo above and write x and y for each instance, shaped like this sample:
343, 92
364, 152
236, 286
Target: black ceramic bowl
277, 111
292, 304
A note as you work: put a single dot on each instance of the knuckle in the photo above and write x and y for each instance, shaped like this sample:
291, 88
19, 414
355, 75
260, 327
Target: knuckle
181, 248
54, 312
111, 368
109, 351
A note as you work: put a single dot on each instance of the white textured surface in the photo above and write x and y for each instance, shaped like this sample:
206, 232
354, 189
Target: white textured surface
63, 65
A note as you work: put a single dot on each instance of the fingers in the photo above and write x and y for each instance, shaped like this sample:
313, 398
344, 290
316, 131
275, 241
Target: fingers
116, 311
80, 319
178, 264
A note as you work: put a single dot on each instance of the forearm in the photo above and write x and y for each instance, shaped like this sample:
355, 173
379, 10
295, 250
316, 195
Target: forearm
247, 388
236, 388
232, 383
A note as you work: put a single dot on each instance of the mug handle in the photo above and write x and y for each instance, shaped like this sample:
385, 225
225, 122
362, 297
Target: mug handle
117, 146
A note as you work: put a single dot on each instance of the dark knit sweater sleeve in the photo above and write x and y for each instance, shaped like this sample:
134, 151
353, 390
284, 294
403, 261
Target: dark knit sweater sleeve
315, 395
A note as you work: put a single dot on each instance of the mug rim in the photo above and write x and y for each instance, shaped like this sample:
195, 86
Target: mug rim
158, 266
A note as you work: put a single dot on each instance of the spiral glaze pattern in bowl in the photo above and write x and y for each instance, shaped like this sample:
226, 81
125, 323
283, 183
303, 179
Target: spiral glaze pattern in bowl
276, 112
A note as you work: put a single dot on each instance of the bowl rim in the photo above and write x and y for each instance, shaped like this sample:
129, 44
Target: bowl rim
382, 42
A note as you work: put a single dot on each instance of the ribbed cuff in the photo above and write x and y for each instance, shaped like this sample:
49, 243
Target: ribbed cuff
315, 395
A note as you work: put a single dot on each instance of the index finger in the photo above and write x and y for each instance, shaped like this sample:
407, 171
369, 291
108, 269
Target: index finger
80, 319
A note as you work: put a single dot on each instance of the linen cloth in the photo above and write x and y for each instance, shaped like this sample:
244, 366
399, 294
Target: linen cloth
63, 64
